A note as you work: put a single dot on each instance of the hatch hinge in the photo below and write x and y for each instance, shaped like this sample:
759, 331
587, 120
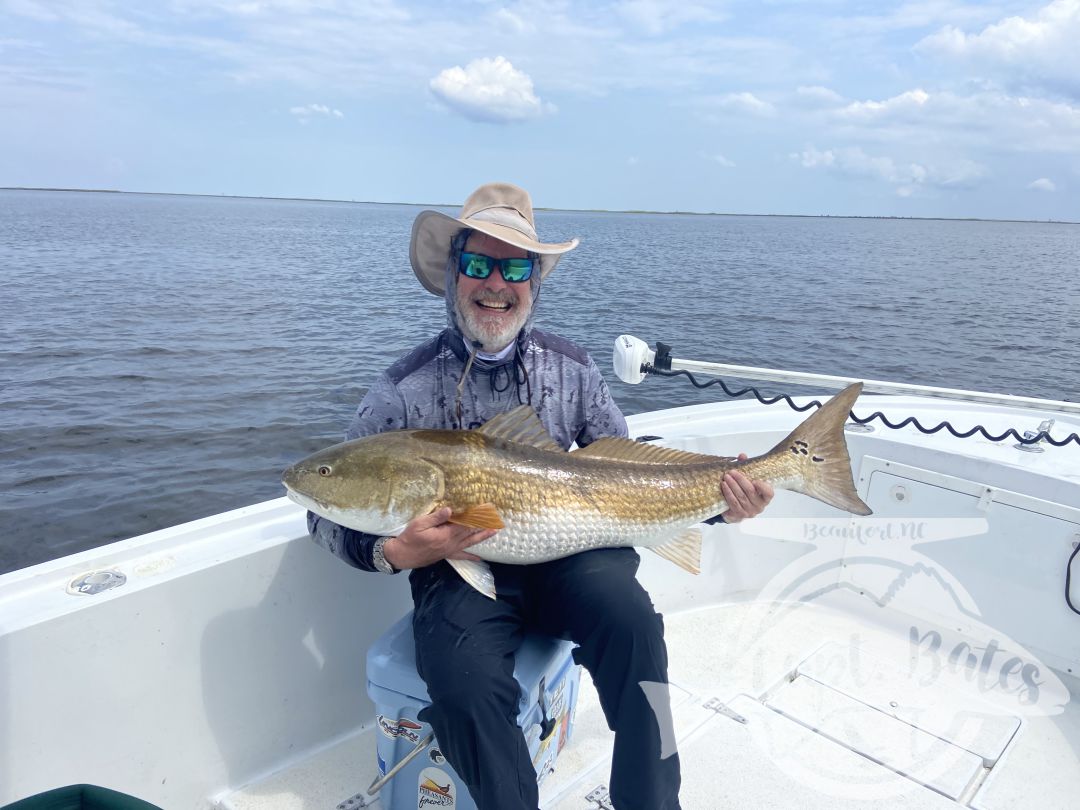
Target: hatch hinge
600, 796
353, 802
716, 705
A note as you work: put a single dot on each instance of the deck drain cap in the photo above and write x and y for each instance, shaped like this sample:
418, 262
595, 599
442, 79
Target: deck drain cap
95, 582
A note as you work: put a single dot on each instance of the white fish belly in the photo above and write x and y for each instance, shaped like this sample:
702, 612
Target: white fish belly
532, 538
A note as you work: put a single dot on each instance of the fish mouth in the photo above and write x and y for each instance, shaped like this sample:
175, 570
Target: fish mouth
295, 496
305, 501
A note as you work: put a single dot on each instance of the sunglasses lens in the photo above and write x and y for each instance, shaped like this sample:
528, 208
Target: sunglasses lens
517, 269
475, 265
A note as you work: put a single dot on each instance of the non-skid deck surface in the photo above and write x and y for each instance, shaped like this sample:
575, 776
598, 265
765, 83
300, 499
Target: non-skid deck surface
838, 712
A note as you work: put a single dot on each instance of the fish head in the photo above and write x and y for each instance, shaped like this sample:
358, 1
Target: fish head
373, 484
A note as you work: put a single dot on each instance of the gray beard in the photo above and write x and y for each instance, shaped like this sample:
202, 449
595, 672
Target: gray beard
491, 339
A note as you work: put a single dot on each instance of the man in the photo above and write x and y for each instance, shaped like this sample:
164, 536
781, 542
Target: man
488, 265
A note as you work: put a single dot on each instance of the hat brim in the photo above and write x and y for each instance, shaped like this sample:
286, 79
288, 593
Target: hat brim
433, 231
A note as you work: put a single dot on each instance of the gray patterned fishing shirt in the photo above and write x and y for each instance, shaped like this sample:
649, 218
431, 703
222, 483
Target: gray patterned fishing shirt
555, 376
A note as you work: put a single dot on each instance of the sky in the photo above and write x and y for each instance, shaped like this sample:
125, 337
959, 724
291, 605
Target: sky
935, 108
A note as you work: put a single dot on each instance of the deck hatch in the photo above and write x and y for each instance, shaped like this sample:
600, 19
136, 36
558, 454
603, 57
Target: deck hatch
899, 746
943, 707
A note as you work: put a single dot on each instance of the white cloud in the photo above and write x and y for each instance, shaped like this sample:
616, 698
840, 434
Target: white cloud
1014, 38
1041, 49
716, 157
906, 177
656, 17
388, 46
32, 9
984, 119
902, 16
741, 103
1042, 184
510, 22
306, 113
811, 158
490, 91
903, 104
817, 96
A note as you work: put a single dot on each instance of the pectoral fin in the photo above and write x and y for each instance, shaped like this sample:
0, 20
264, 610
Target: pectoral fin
684, 551
476, 573
481, 516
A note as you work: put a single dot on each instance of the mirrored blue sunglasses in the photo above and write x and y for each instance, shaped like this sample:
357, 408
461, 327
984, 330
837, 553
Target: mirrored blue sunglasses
477, 265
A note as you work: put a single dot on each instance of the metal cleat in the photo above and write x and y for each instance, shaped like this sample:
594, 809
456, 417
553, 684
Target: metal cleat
1035, 447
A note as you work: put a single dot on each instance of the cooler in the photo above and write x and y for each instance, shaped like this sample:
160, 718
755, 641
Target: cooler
543, 665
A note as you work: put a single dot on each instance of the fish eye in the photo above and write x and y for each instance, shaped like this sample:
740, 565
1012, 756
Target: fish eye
325, 470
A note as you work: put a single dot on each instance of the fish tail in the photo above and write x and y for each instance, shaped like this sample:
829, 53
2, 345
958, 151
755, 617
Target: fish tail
815, 455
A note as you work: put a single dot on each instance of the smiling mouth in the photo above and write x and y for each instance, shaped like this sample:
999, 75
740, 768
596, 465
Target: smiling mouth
493, 306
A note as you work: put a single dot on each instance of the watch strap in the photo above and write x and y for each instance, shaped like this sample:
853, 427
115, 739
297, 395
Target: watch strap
378, 558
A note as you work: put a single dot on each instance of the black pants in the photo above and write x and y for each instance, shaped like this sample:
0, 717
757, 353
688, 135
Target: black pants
465, 646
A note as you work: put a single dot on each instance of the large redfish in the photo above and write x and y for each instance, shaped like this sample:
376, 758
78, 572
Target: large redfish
510, 475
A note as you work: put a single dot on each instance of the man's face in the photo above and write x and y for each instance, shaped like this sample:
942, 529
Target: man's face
492, 310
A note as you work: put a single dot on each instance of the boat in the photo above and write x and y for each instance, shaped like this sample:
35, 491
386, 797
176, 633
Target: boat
926, 656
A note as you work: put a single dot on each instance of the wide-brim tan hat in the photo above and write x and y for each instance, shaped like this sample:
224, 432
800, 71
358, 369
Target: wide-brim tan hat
501, 210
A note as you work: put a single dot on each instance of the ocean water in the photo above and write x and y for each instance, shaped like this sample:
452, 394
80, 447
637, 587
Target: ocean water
163, 358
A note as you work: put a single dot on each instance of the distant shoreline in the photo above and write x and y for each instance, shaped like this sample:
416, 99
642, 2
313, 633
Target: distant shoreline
574, 210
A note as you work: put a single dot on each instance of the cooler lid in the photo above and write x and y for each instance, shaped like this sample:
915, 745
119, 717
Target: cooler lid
391, 661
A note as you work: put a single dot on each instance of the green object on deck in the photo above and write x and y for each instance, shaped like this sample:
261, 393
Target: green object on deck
81, 797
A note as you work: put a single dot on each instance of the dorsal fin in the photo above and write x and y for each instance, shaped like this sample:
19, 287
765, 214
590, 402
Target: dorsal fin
521, 426
615, 449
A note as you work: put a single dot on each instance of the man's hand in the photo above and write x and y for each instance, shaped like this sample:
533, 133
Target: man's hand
429, 538
745, 498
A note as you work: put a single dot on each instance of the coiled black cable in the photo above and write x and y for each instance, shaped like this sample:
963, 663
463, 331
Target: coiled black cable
911, 420
1068, 580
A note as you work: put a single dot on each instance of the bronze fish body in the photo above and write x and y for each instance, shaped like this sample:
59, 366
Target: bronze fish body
547, 503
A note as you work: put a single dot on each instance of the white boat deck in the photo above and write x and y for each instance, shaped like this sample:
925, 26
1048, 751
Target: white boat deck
838, 713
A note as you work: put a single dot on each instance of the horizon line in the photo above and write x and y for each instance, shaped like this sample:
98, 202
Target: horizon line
542, 208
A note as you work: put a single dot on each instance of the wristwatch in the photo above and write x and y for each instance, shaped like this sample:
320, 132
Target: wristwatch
379, 560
